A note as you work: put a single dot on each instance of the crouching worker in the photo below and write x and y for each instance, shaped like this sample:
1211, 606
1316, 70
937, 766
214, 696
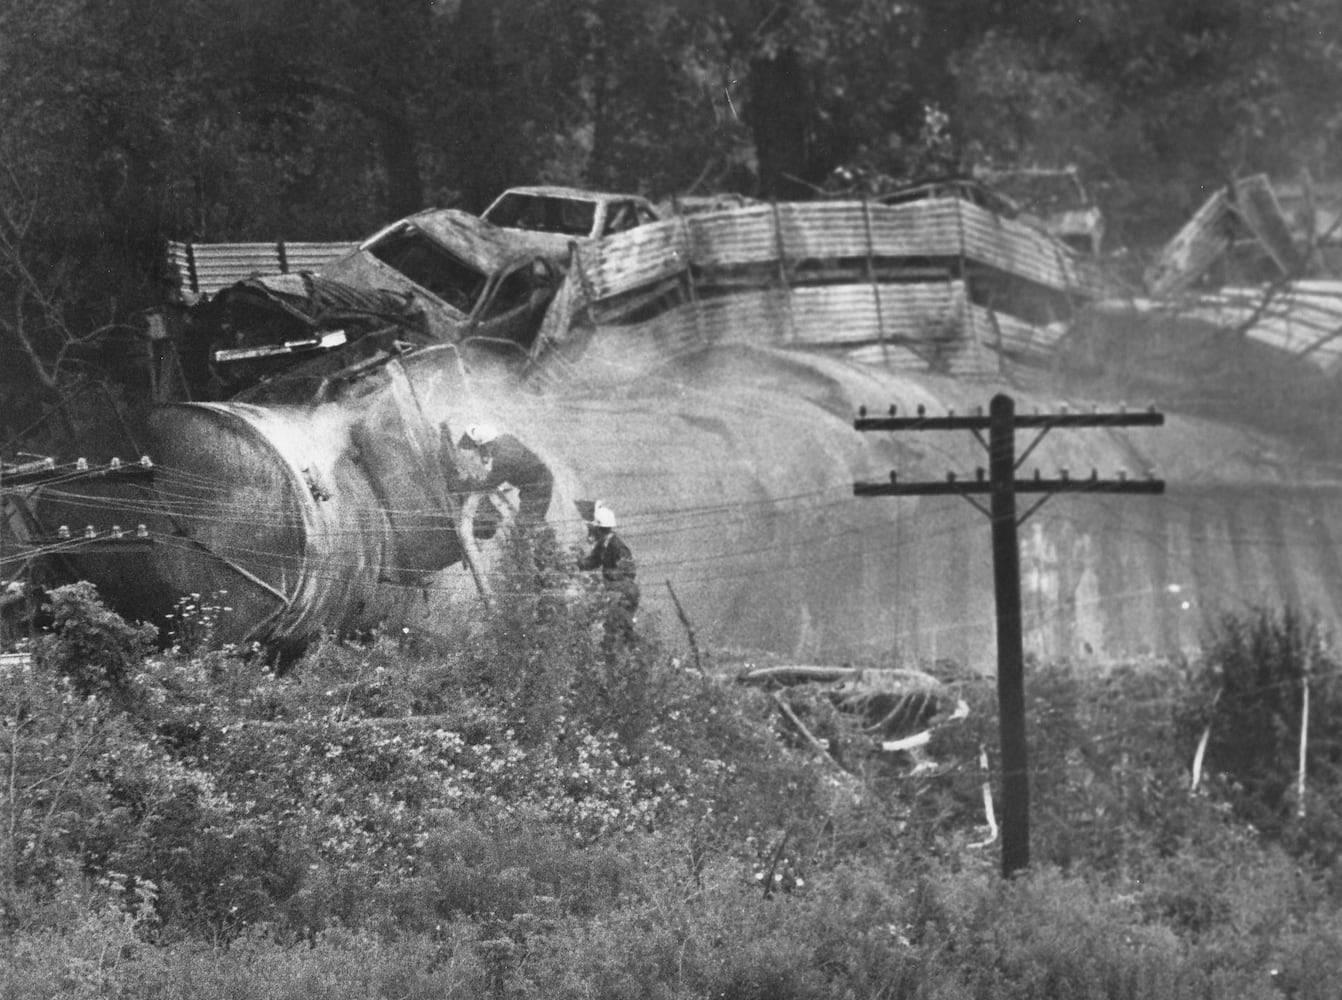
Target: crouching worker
613, 558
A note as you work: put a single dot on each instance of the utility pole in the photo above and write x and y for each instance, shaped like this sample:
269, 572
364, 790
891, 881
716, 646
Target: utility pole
1002, 486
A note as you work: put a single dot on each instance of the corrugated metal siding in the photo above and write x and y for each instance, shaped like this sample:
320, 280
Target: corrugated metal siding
791, 233
906, 326
919, 327
1202, 239
205, 268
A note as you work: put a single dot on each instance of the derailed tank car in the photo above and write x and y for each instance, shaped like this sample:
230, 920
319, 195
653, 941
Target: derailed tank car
701, 374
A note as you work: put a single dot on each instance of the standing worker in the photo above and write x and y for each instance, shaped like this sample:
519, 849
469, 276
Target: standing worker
614, 559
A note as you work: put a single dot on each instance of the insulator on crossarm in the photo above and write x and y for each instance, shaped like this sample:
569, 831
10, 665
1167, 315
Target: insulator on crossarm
980, 473
861, 412
922, 410
89, 532
82, 464
48, 463
63, 531
116, 531
1122, 475
1037, 476
141, 531
1122, 406
146, 462
1094, 475
950, 477
894, 476
1063, 474
892, 409
1151, 408
1062, 407
1150, 473
950, 411
114, 464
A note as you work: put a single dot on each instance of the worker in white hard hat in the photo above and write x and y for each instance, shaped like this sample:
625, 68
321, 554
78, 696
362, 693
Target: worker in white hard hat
486, 459
614, 559
479, 438
475, 452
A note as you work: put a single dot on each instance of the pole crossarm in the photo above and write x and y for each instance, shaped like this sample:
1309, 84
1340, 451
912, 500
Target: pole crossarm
1023, 421
958, 487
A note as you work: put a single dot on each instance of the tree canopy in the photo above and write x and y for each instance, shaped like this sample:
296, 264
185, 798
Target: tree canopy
122, 125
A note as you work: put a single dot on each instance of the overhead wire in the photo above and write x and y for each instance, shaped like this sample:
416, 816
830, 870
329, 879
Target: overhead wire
707, 566
244, 516
186, 504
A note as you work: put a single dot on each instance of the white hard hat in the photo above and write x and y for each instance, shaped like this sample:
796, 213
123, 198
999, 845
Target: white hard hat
603, 516
481, 433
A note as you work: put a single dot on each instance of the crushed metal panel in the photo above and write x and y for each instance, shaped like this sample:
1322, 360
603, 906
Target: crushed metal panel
1313, 210
1257, 207
1247, 205
1057, 199
1303, 319
1193, 249
471, 238
457, 265
260, 328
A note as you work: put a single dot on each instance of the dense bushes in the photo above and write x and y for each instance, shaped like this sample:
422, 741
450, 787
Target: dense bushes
485, 819
250, 797
1252, 701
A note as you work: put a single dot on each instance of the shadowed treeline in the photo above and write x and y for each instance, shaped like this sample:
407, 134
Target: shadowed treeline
121, 127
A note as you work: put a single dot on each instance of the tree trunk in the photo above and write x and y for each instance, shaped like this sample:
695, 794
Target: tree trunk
779, 114
405, 184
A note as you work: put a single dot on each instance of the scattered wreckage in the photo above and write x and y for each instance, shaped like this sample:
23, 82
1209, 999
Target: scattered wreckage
309, 454
887, 710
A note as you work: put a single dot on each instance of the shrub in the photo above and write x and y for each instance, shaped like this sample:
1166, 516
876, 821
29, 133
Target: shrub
1109, 784
58, 751
89, 644
537, 645
1249, 691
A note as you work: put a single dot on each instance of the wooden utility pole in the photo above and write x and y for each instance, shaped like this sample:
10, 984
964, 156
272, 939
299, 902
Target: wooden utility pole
1002, 486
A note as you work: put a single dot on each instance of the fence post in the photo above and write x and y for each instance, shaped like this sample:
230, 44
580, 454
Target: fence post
782, 271
875, 285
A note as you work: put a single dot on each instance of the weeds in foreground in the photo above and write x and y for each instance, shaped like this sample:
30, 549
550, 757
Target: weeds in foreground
381, 821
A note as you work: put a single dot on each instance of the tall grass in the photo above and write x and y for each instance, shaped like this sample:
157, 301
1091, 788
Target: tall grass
525, 814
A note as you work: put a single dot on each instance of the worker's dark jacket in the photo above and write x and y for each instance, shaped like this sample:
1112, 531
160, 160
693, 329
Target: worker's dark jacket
612, 556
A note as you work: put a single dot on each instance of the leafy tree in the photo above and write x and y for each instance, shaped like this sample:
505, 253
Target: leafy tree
121, 125
1156, 101
819, 84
